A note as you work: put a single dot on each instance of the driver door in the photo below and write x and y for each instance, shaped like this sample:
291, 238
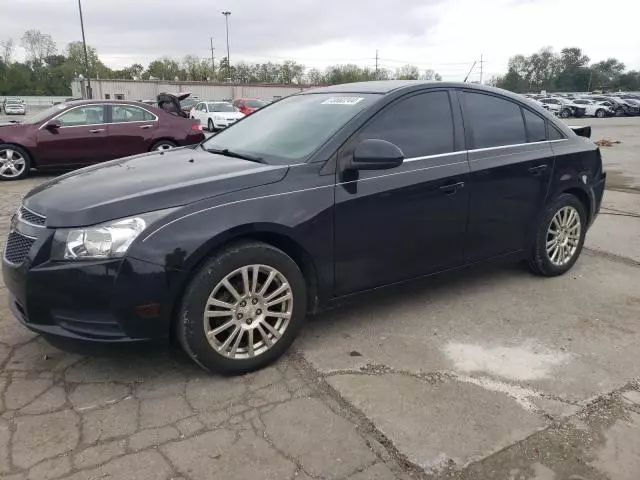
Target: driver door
396, 224
80, 139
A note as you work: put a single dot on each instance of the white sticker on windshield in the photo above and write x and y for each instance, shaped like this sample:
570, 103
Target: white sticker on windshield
342, 100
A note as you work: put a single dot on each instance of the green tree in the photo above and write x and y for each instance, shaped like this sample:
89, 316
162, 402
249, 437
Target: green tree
164, 69
408, 72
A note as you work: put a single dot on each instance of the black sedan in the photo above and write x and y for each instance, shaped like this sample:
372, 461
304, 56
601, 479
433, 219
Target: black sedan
314, 198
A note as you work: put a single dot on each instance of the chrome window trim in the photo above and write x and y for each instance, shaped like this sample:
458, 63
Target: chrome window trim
73, 108
155, 117
103, 123
333, 185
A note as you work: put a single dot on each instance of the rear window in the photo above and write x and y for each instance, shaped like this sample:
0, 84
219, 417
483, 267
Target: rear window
536, 129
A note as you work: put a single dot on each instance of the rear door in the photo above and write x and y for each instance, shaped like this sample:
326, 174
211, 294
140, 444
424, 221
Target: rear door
131, 130
511, 165
392, 225
80, 140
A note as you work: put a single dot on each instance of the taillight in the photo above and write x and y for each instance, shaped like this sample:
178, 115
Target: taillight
196, 126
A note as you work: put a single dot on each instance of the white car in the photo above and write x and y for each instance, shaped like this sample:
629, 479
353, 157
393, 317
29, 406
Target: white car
216, 115
14, 107
594, 108
562, 107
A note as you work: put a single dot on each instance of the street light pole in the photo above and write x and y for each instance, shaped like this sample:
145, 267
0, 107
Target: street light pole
226, 20
86, 56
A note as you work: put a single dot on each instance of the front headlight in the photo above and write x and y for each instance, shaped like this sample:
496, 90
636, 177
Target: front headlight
107, 240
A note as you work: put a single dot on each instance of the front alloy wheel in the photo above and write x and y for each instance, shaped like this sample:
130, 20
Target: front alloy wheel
243, 309
248, 311
14, 163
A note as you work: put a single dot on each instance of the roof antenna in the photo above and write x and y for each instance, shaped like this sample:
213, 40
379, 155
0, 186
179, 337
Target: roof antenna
467, 77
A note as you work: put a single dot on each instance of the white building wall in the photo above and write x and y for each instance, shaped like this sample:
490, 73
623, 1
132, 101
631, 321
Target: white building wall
147, 90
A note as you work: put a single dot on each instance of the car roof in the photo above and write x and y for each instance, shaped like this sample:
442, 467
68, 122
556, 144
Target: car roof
74, 103
388, 86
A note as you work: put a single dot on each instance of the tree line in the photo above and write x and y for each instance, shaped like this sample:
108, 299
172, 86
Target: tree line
570, 70
49, 71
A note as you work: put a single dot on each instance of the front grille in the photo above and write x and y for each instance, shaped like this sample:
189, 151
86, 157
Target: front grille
31, 217
17, 248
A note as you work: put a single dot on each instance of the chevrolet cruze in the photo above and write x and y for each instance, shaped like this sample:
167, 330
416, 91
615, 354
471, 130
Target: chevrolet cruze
319, 196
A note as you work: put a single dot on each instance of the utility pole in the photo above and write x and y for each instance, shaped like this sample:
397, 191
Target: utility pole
226, 20
481, 62
213, 61
376, 64
471, 70
86, 56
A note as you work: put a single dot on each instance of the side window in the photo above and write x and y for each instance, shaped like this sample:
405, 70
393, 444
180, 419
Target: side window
89, 115
494, 121
536, 130
420, 125
554, 133
127, 113
212, 108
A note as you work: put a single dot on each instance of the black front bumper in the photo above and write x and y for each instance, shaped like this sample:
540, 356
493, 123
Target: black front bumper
109, 301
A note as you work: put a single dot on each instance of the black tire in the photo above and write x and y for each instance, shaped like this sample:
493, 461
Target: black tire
600, 113
190, 325
163, 145
23, 153
539, 262
565, 113
210, 126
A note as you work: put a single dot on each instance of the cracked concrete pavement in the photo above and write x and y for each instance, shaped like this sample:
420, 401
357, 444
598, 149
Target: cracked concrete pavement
490, 373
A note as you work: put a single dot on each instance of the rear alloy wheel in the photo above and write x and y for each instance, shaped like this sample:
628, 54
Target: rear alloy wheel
600, 113
14, 162
560, 237
163, 145
243, 309
210, 126
565, 113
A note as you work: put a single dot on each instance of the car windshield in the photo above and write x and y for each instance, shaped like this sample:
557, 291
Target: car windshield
187, 102
256, 103
291, 130
45, 114
222, 107
14, 102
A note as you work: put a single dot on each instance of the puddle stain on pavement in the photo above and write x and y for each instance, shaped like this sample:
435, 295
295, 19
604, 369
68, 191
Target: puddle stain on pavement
524, 362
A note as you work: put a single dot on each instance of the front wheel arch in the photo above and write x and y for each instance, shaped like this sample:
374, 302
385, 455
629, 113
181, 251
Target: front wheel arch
279, 240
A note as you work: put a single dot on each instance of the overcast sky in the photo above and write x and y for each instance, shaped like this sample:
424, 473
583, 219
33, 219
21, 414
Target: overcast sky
445, 35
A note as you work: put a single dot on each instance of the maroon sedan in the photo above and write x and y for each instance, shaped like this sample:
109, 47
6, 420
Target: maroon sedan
84, 132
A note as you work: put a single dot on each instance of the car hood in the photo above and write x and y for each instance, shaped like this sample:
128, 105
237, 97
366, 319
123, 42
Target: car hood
144, 183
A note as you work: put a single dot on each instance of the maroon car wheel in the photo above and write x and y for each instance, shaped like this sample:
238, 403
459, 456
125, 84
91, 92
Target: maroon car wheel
14, 162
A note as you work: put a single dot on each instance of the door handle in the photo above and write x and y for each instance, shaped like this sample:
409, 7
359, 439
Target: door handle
537, 170
145, 127
451, 188
97, 130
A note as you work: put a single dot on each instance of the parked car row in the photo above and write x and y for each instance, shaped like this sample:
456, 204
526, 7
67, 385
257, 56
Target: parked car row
84, 132
594, 105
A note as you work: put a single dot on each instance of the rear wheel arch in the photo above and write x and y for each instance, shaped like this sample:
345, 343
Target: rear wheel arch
584, 198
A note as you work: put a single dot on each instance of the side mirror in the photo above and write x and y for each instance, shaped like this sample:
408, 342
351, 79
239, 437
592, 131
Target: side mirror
375, 154
53, 124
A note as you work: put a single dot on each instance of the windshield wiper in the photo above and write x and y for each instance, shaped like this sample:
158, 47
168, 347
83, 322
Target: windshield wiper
229, 153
